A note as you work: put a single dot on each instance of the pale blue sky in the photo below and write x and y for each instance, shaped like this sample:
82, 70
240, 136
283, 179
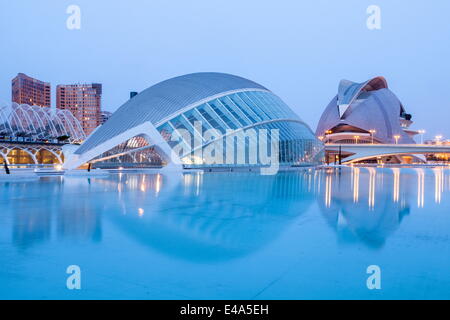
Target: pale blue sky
298, 49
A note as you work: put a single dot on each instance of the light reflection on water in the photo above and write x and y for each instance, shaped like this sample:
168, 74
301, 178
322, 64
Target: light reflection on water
222, 219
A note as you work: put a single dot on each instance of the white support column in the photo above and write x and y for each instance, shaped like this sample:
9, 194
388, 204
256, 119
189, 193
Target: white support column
147, 130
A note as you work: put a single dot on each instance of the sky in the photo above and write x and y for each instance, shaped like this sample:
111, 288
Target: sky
300, 50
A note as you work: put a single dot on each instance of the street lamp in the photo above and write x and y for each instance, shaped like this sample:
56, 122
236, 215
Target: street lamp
321, 138
421, 132
438, 139
372, 132
396, 137
356, 139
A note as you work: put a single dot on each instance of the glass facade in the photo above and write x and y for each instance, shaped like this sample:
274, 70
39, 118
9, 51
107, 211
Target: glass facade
208, 119
242, 119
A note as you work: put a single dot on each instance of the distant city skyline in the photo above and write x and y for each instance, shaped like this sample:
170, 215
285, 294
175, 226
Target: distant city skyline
299, 50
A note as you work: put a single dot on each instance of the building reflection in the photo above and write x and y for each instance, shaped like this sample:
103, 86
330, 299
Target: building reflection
367, 204
438, 184
420, 187
216, 216
210, 217
31, 224
53, 210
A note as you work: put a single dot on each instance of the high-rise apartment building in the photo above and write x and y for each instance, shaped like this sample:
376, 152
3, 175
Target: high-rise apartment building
84, 101
27, 90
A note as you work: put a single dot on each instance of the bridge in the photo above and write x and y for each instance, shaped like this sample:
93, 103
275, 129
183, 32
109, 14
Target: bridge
364, 151
30, 153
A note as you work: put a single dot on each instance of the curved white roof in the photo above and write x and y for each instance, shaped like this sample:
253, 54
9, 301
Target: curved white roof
369, 106
164, 99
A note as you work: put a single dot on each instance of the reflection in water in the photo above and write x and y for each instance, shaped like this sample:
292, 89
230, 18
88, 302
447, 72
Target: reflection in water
396, 192
328, 189
370, 203
420, 187
438, 184
46, 212
355, 184
31, 225
219, 216
209, 217
372, 176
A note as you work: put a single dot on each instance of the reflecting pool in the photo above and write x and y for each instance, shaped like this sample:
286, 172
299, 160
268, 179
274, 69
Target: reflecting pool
296, 235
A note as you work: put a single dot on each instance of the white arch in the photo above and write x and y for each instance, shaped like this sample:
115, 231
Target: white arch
5, 157
58, 157
48, 121
4, 117
146, 130
26, 118
67, 121
80, 135
76, 134
34, 117
13, 116
26, 150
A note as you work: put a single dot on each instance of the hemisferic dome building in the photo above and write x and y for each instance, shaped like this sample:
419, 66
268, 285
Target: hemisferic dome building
201, 120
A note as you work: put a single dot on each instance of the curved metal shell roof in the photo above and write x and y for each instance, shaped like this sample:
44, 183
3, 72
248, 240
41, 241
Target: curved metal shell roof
379, 110
164, 99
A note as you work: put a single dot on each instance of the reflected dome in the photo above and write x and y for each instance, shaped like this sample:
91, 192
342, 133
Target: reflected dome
214, 217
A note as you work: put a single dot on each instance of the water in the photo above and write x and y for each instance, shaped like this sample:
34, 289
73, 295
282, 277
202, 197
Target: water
296, 235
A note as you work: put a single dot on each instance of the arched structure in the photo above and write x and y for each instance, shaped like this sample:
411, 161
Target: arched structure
37, 124
195, 104
33, 135
30, 154
354, 153
368, 111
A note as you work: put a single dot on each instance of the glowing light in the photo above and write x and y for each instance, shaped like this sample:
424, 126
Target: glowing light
355, 184
143, 186
197, 192
396, 137
140, 212
438, 184
158, 183
396, 194
420, 188
58, 167
372, 176
328, 190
